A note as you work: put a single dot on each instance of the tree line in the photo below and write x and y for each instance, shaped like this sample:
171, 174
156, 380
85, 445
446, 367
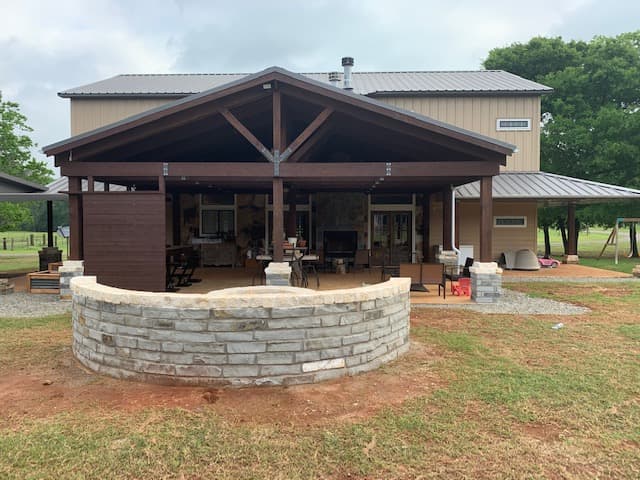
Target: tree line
590, 124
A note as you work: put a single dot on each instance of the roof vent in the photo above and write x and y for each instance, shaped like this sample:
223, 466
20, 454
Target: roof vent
347, 63
334, 78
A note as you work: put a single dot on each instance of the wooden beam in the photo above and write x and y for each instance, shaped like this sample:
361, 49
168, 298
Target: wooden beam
291, 214
177, 235
246, 133
307, 132
486, 219
426, 224
75, 218
90, 184
400, 171
572, 246
321, 136
278, 140
447, 240
49, 223
278, 219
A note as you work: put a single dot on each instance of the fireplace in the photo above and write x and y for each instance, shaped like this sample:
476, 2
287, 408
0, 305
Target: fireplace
340, 244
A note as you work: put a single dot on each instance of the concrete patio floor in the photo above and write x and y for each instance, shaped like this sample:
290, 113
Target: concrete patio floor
217, 278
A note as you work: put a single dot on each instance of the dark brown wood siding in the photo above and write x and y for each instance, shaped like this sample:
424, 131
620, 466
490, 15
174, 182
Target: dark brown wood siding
124, 239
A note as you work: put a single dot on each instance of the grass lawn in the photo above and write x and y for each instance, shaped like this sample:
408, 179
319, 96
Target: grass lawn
501, 396
20, 255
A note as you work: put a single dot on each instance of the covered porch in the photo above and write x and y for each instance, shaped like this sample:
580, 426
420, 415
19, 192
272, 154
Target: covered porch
248, 164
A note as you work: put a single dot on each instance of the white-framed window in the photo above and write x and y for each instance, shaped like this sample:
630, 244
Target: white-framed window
218, 216
513, 124
510, 221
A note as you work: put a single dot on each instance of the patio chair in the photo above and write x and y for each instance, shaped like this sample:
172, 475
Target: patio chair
361, 259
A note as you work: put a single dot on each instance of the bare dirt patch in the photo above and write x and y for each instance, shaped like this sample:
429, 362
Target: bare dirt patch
64, 385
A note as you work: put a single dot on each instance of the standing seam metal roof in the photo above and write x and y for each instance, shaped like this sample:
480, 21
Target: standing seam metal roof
546, 186
364, 83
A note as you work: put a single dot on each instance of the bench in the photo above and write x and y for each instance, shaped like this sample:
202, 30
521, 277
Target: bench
424, 274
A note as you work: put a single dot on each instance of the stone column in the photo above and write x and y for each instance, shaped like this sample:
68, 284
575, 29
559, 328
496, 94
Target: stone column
486, 282
278, 274
69, 270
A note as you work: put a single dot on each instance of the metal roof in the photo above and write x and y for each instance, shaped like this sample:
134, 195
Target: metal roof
25, 186
481, 82
185, 102
549, 188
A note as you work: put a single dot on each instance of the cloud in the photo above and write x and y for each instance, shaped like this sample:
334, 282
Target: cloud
52, 46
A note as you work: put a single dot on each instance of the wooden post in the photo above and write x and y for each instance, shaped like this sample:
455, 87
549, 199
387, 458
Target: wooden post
447, 241
177, 234
278, 200
278, 223
291, 214
75, 218
486, 219
426, 221
49, 223
572, 247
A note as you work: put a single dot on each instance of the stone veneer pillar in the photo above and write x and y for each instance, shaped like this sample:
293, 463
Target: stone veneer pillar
278, 274
486, 282
69, 270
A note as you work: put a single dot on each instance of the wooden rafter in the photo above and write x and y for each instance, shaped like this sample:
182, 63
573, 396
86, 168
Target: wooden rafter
315, 141
307, 132
246, 133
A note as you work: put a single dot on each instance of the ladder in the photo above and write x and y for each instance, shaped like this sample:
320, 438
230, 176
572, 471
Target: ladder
611, 241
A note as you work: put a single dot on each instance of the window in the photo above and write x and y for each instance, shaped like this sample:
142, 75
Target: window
513, 124
217, 216
517, 221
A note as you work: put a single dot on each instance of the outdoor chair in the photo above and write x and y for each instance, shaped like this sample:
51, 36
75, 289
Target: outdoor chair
455, 277
361, 259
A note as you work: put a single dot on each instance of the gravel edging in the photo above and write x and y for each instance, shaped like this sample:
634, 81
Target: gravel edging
512, 302
24, 305
568, 280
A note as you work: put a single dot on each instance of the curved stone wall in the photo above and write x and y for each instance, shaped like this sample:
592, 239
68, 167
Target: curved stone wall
241, 336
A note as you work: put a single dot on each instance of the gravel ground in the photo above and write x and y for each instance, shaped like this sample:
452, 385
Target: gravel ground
516, 302
572, 280
18, 305
26, 305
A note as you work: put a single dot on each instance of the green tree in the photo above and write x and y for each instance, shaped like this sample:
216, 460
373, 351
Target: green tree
16, 159
591, 122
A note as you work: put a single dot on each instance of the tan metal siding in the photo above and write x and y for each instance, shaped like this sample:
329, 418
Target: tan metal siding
503, 238
479, 114
91, 113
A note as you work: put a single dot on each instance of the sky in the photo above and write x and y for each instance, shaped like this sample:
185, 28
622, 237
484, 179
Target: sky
48, 46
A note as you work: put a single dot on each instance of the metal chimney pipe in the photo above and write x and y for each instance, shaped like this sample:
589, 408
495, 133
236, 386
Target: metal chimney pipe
347, 63
334, 78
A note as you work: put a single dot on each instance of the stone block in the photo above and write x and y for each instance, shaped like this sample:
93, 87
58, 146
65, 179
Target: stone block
246, 347
284, 346
280, 335
194, 313
335, 352
329, 331
190, 325
198, 370
357, 338
234, 336
148, 345
172, 347
244, 313
334, 308
241, 358
291, 312
323, 365
322, 343
203, 347
305, 322
240, 370
279, 358
307, 356
270, 370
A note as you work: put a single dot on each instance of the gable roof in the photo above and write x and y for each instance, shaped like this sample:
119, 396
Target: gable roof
480, 82
278, 73
548, 188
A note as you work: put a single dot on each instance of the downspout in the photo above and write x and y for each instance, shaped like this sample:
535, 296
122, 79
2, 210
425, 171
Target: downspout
453, 221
